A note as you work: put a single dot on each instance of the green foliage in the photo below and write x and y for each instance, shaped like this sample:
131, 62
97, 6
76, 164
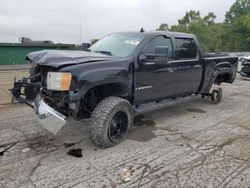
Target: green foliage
238, 34
238, 9
203, 27
163, 27
232, 35
190, 17
237, 27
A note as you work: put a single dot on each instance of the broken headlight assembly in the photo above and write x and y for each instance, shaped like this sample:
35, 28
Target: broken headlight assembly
58, 81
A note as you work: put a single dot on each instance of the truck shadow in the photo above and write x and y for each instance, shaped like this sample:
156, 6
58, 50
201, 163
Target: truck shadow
74, 136
145, 124
145, 121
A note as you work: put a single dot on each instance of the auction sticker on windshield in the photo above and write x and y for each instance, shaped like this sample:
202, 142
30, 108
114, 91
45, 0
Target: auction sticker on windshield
132, 42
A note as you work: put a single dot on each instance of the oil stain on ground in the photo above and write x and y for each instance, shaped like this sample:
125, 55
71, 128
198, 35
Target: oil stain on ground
75, 152
142, 131
196, 110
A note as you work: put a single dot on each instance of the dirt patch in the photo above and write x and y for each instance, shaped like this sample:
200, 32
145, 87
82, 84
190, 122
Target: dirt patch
75, 152
169, 129
142, 131
234, 94
5, 107
41, 144
196, 110
229, 142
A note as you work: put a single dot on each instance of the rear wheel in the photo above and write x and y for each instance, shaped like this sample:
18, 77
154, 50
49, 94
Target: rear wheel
110, 121
216, 95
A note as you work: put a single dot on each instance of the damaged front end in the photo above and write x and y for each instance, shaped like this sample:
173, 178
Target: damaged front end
55, 91
50, 119
32, 91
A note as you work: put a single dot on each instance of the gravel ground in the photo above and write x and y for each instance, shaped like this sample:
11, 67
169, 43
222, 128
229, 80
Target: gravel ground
187, 143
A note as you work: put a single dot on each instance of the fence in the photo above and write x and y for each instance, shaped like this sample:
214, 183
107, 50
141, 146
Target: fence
7, 75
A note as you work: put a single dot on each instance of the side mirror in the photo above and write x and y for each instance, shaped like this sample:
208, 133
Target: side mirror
142, 58
85, 46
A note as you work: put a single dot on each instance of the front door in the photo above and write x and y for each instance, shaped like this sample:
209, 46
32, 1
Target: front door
154, 81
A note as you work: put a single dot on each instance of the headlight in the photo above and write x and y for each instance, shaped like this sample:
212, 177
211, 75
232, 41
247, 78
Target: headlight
59, 81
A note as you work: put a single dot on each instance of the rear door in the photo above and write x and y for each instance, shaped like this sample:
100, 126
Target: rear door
189, 69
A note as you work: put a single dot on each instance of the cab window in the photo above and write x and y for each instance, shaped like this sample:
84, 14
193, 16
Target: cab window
160, 41
186, 48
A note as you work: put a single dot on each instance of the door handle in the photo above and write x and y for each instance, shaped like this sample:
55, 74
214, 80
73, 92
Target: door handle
170, 69
184, 67
197, 66
149, 63
166, 70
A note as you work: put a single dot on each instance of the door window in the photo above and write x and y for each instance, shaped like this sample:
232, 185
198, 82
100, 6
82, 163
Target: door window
186, 48
160, 41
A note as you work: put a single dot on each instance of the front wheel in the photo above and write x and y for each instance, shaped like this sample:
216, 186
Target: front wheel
110, 121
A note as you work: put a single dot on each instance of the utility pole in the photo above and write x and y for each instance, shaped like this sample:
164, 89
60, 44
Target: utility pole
80, 34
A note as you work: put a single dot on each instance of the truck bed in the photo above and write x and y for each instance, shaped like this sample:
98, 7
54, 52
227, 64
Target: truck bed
214, 63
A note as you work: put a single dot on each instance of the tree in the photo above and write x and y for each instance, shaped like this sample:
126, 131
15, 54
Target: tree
190, 17
203, 27
238, 34
231, 35
163, 27
237, 27
209, 19
239, 8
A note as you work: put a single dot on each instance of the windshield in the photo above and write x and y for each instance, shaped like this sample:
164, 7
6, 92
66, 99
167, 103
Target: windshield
117, 44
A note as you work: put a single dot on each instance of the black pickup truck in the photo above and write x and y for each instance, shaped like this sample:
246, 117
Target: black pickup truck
115, 76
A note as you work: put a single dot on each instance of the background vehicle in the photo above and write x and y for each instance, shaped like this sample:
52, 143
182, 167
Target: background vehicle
118, 74
245, 70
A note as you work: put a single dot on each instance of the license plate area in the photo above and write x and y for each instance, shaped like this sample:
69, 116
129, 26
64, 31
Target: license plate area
25, 90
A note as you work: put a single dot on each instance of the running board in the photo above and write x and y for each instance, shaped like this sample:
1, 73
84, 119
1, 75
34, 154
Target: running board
153, 106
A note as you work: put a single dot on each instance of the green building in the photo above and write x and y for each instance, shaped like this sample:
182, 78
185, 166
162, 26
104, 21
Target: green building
15, 53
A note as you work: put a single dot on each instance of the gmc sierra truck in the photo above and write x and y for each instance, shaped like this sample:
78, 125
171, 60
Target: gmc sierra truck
120, 72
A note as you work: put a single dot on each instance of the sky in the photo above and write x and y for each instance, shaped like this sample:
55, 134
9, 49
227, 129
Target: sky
60, 21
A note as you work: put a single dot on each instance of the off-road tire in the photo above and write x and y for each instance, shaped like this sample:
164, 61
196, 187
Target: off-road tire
101, 117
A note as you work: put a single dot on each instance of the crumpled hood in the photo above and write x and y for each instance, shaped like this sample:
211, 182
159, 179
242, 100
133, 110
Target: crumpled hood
62, 58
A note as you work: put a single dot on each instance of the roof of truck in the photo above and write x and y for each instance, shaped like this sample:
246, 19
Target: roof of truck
168, 33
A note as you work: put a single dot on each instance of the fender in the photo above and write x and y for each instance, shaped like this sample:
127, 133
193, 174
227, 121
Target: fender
220, 69
89, 76
105, 76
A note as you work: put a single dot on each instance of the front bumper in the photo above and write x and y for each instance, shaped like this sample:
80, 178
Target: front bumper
49, 119
29, 93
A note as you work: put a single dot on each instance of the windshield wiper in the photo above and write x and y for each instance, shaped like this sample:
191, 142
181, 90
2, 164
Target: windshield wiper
104, 52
